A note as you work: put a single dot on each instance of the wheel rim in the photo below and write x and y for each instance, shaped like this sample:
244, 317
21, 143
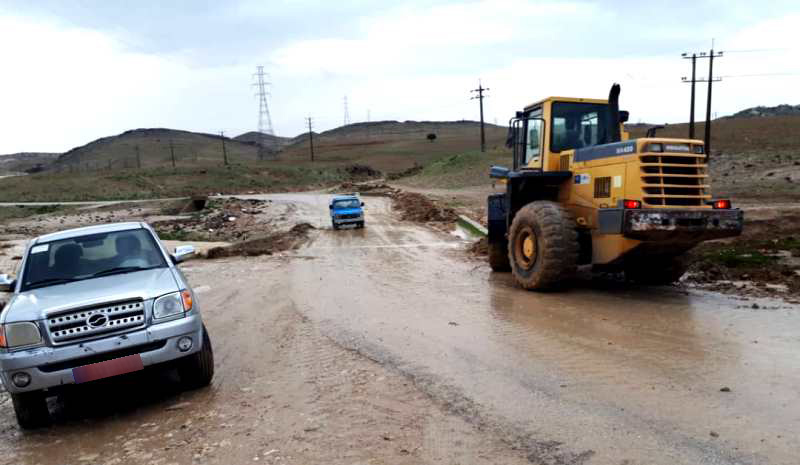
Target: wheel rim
525, 250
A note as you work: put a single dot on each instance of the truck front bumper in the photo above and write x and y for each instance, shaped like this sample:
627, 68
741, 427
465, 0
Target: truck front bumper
50, 367
341, 221
673, 225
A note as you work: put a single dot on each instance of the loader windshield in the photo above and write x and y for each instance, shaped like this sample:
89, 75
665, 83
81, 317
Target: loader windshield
577, 125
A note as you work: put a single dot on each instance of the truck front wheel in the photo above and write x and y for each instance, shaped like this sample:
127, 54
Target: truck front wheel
197, 369
543, 246
31, 409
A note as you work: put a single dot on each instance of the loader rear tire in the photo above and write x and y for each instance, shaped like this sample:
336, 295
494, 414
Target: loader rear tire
498, 257
543, 246
655, 271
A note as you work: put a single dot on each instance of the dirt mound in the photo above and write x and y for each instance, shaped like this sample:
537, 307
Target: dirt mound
373, 188
419, 208
267, 245
361, 172
405, 173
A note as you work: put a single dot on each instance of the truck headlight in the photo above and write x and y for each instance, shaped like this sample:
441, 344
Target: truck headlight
172, 304
19, 334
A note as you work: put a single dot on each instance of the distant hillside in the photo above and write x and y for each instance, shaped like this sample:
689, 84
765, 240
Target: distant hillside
254, 137
25, 161
155, 147
739, 134
392, 146
780, 110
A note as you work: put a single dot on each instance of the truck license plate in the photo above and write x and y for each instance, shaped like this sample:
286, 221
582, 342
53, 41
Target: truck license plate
107, 369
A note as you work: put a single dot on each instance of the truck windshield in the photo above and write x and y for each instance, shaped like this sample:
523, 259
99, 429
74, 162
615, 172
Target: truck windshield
577, 125
350, 203
91, 256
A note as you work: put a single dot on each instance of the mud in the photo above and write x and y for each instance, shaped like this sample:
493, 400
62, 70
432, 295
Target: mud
384, 345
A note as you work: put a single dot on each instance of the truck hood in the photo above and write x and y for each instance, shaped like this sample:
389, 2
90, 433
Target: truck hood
37, 304
346, 211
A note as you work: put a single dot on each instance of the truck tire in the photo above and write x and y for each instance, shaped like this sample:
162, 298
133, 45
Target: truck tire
197, 370
498, 257
656, 271
31, 409
543, 246
334, 226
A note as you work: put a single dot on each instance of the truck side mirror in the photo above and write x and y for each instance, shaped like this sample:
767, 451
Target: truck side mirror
362, 204
330, 207
182, 252
6, 283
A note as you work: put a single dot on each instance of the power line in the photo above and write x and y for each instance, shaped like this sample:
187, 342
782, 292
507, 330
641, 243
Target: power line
710, 80
346, 112
480, 90
264, 118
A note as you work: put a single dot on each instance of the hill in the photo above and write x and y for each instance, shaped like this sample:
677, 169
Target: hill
393, 146
254, 137
144, 148
25, 161
780, 110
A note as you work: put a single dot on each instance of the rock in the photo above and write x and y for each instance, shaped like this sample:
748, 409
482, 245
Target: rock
713, 434
755, 306
725, 389
452, 323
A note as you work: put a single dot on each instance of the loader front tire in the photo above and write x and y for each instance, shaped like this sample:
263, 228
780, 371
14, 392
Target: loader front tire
543, 246
498, 257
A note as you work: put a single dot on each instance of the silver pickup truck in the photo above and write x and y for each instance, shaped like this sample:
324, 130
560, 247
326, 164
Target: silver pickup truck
96, 302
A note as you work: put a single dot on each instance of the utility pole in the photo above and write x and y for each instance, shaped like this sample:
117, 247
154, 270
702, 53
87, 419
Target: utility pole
310, 136
346, 113
480, 90
138, 158
224, 152
264, 118
710, 80
172, 154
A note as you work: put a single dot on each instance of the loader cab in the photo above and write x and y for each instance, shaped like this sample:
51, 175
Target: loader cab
546, 130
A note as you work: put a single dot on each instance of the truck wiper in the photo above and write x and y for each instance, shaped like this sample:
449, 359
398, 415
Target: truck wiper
50, 282
121, 269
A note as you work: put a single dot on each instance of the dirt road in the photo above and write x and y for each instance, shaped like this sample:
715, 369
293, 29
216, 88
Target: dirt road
386, 345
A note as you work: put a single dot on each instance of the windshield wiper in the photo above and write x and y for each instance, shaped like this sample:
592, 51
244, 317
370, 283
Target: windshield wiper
121, 269
50, 282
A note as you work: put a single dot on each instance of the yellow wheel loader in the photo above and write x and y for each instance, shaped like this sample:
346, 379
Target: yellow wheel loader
581, 192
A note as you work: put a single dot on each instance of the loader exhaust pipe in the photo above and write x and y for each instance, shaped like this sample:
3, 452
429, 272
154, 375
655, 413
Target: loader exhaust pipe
614, 134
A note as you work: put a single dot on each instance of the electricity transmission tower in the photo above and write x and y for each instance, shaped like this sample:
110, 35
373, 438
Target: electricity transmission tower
346, 112
310, 123
480, 90
264, 118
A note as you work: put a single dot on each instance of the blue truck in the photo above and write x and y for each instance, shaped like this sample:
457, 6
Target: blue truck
346, 209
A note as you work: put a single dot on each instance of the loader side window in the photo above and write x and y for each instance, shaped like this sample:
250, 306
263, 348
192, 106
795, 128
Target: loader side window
533, 143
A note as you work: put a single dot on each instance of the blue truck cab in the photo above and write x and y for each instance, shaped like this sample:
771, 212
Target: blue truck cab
346, 209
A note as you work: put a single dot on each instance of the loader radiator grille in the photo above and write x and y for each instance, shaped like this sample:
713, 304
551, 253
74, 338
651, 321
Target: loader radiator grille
563, 163
674, 180
602, 187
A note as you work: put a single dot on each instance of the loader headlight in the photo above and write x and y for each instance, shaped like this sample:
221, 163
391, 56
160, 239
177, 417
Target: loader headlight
19, 335
172, 304
698, 149
655, 147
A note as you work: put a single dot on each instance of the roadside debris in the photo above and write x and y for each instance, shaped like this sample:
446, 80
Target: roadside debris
267, 245
419, 208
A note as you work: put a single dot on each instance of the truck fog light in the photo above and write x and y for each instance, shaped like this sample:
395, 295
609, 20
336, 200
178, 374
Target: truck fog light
184, 343
21, 379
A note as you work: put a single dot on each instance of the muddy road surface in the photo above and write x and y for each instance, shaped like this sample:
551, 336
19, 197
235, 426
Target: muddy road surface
388, 345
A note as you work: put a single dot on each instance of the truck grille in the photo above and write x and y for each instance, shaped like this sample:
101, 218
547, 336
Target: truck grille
348, 216
85, 323
674, 179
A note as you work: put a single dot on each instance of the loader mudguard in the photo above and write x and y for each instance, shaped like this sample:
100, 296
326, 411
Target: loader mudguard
498, 217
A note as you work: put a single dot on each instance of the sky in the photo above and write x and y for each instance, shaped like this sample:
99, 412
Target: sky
76, 71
